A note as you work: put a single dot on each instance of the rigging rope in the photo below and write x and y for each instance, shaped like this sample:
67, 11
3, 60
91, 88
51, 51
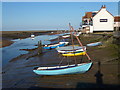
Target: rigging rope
61, 61
72, 44
80, 43
68, 61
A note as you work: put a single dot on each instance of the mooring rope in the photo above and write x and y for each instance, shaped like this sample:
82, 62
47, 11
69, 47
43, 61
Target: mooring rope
80, 43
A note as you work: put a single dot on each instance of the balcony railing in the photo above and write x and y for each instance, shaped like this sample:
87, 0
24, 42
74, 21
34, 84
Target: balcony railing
86, 23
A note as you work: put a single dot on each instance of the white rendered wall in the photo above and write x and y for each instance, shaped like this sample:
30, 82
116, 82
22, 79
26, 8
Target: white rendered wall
91, 29
116, 24
103, 26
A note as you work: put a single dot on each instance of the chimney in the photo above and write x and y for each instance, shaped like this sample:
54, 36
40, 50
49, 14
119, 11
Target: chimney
103, 6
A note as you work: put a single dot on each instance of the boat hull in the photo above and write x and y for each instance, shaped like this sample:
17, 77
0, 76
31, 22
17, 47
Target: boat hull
66, 36
94, 44
77, 69
69, 49
74, 54
52, 47
66, 43
47, 47
60, 45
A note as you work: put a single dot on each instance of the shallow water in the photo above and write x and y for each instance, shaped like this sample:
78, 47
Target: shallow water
19, 73
13, 50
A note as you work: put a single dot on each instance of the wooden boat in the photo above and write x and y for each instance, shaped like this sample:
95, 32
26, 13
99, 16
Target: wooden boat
61, 70
69, 49
74, 54
94, 44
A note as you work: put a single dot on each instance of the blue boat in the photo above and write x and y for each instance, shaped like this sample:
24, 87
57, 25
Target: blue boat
53, 46
47, 47
94, 44
62, 70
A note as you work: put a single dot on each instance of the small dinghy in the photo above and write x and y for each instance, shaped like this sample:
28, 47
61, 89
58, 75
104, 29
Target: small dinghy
95, 44
74, 53
51, 46
32, 36
61, 70
69, 49
66, 36
66, 43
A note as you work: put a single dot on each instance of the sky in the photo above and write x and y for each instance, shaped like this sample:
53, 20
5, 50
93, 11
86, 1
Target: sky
18, 16
60, 0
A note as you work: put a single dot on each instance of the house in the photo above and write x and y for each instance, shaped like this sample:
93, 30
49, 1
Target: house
117, 23
117, 26
87, 21
101, 20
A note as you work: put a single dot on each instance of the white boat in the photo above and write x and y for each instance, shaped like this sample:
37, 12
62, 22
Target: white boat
51, 46
32, 36
95, 44
68, 49
66, 43
66, 36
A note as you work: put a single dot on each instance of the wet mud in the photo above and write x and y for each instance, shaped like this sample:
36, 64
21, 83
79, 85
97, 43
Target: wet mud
103, 73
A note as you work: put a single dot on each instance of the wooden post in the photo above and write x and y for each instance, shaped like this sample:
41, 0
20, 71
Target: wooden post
39, 47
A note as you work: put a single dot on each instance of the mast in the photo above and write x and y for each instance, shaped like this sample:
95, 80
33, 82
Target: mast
58, 36
71, 37
72, 43
80, 43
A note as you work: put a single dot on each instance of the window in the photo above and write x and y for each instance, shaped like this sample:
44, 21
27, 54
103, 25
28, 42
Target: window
103, 20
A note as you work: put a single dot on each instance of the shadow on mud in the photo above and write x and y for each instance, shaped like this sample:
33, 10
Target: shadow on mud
99, 81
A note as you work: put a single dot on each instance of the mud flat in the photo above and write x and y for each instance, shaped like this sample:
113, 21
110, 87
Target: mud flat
7, 36
4, 43
103, 73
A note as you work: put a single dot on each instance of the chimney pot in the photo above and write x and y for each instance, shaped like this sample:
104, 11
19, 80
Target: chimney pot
103, 6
